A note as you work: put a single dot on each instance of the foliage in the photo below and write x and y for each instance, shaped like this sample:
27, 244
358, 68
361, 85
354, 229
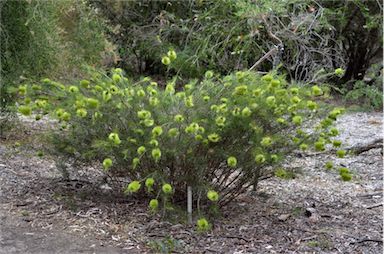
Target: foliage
365, 95
144, 29
166, 245
40, 38
358, 26
218, 135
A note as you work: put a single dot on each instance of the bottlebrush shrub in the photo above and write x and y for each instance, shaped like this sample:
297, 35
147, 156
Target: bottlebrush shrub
218, 135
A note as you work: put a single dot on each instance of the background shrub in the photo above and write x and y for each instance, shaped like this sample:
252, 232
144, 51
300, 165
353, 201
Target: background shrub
40, 38
317, 36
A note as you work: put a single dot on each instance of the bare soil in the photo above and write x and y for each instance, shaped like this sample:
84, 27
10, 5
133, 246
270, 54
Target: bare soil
315, 212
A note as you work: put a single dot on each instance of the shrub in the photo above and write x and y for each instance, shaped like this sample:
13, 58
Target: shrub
219, 135
50, 37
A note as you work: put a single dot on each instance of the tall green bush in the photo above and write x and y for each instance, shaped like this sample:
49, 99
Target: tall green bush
40, 38
218, 135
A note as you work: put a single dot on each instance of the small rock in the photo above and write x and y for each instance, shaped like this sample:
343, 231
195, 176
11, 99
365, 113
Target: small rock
310, 211
284, 217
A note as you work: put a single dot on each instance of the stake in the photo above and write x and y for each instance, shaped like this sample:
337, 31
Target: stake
189, 204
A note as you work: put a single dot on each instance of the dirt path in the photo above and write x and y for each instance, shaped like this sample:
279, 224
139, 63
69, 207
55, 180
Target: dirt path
315, 212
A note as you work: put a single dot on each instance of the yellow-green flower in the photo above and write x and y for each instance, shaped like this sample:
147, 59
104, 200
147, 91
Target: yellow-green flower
232, 161
316, 90
303, 147
107, 96
274, 158
116, 78
240, 90
167, 188
236, 111
81, 112
294, 90
153, 204
73, 89
135, 162
214, 137
334, 132
114, 137
180, 95
141, 150
133, 186
266, 142
188, 87
198, 137
25, 110
169, 88
118, 71
192, 128
257, 92
157, 131
153, 101
346, 177
246, 112
335, 113
220, 121
156, 154
92, 103
260, 158
66, 116
336, 143
143, 114
339, 72
149, 182
208, 74
22, 89
173, 132
154, 142
275, 83
107, 163
320, 145
206, 98
188, 101
148, 122
213, 195
341, 153
329, 165
165, 60
41, 103
141, 93
267, 78
179, 118
297, 120
271, 101
172, 55
85, 83
295, 99
311, 105
280, 120
202, 225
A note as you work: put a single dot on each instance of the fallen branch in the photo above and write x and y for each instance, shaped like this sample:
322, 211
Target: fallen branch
378, 143
374, 206
358, 149
268, 54
368, 240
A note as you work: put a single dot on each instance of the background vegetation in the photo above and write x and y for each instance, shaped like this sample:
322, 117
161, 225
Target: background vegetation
55, 38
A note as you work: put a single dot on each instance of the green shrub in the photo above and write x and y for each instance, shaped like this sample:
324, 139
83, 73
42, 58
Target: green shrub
40, 38
218, 135
368, 96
